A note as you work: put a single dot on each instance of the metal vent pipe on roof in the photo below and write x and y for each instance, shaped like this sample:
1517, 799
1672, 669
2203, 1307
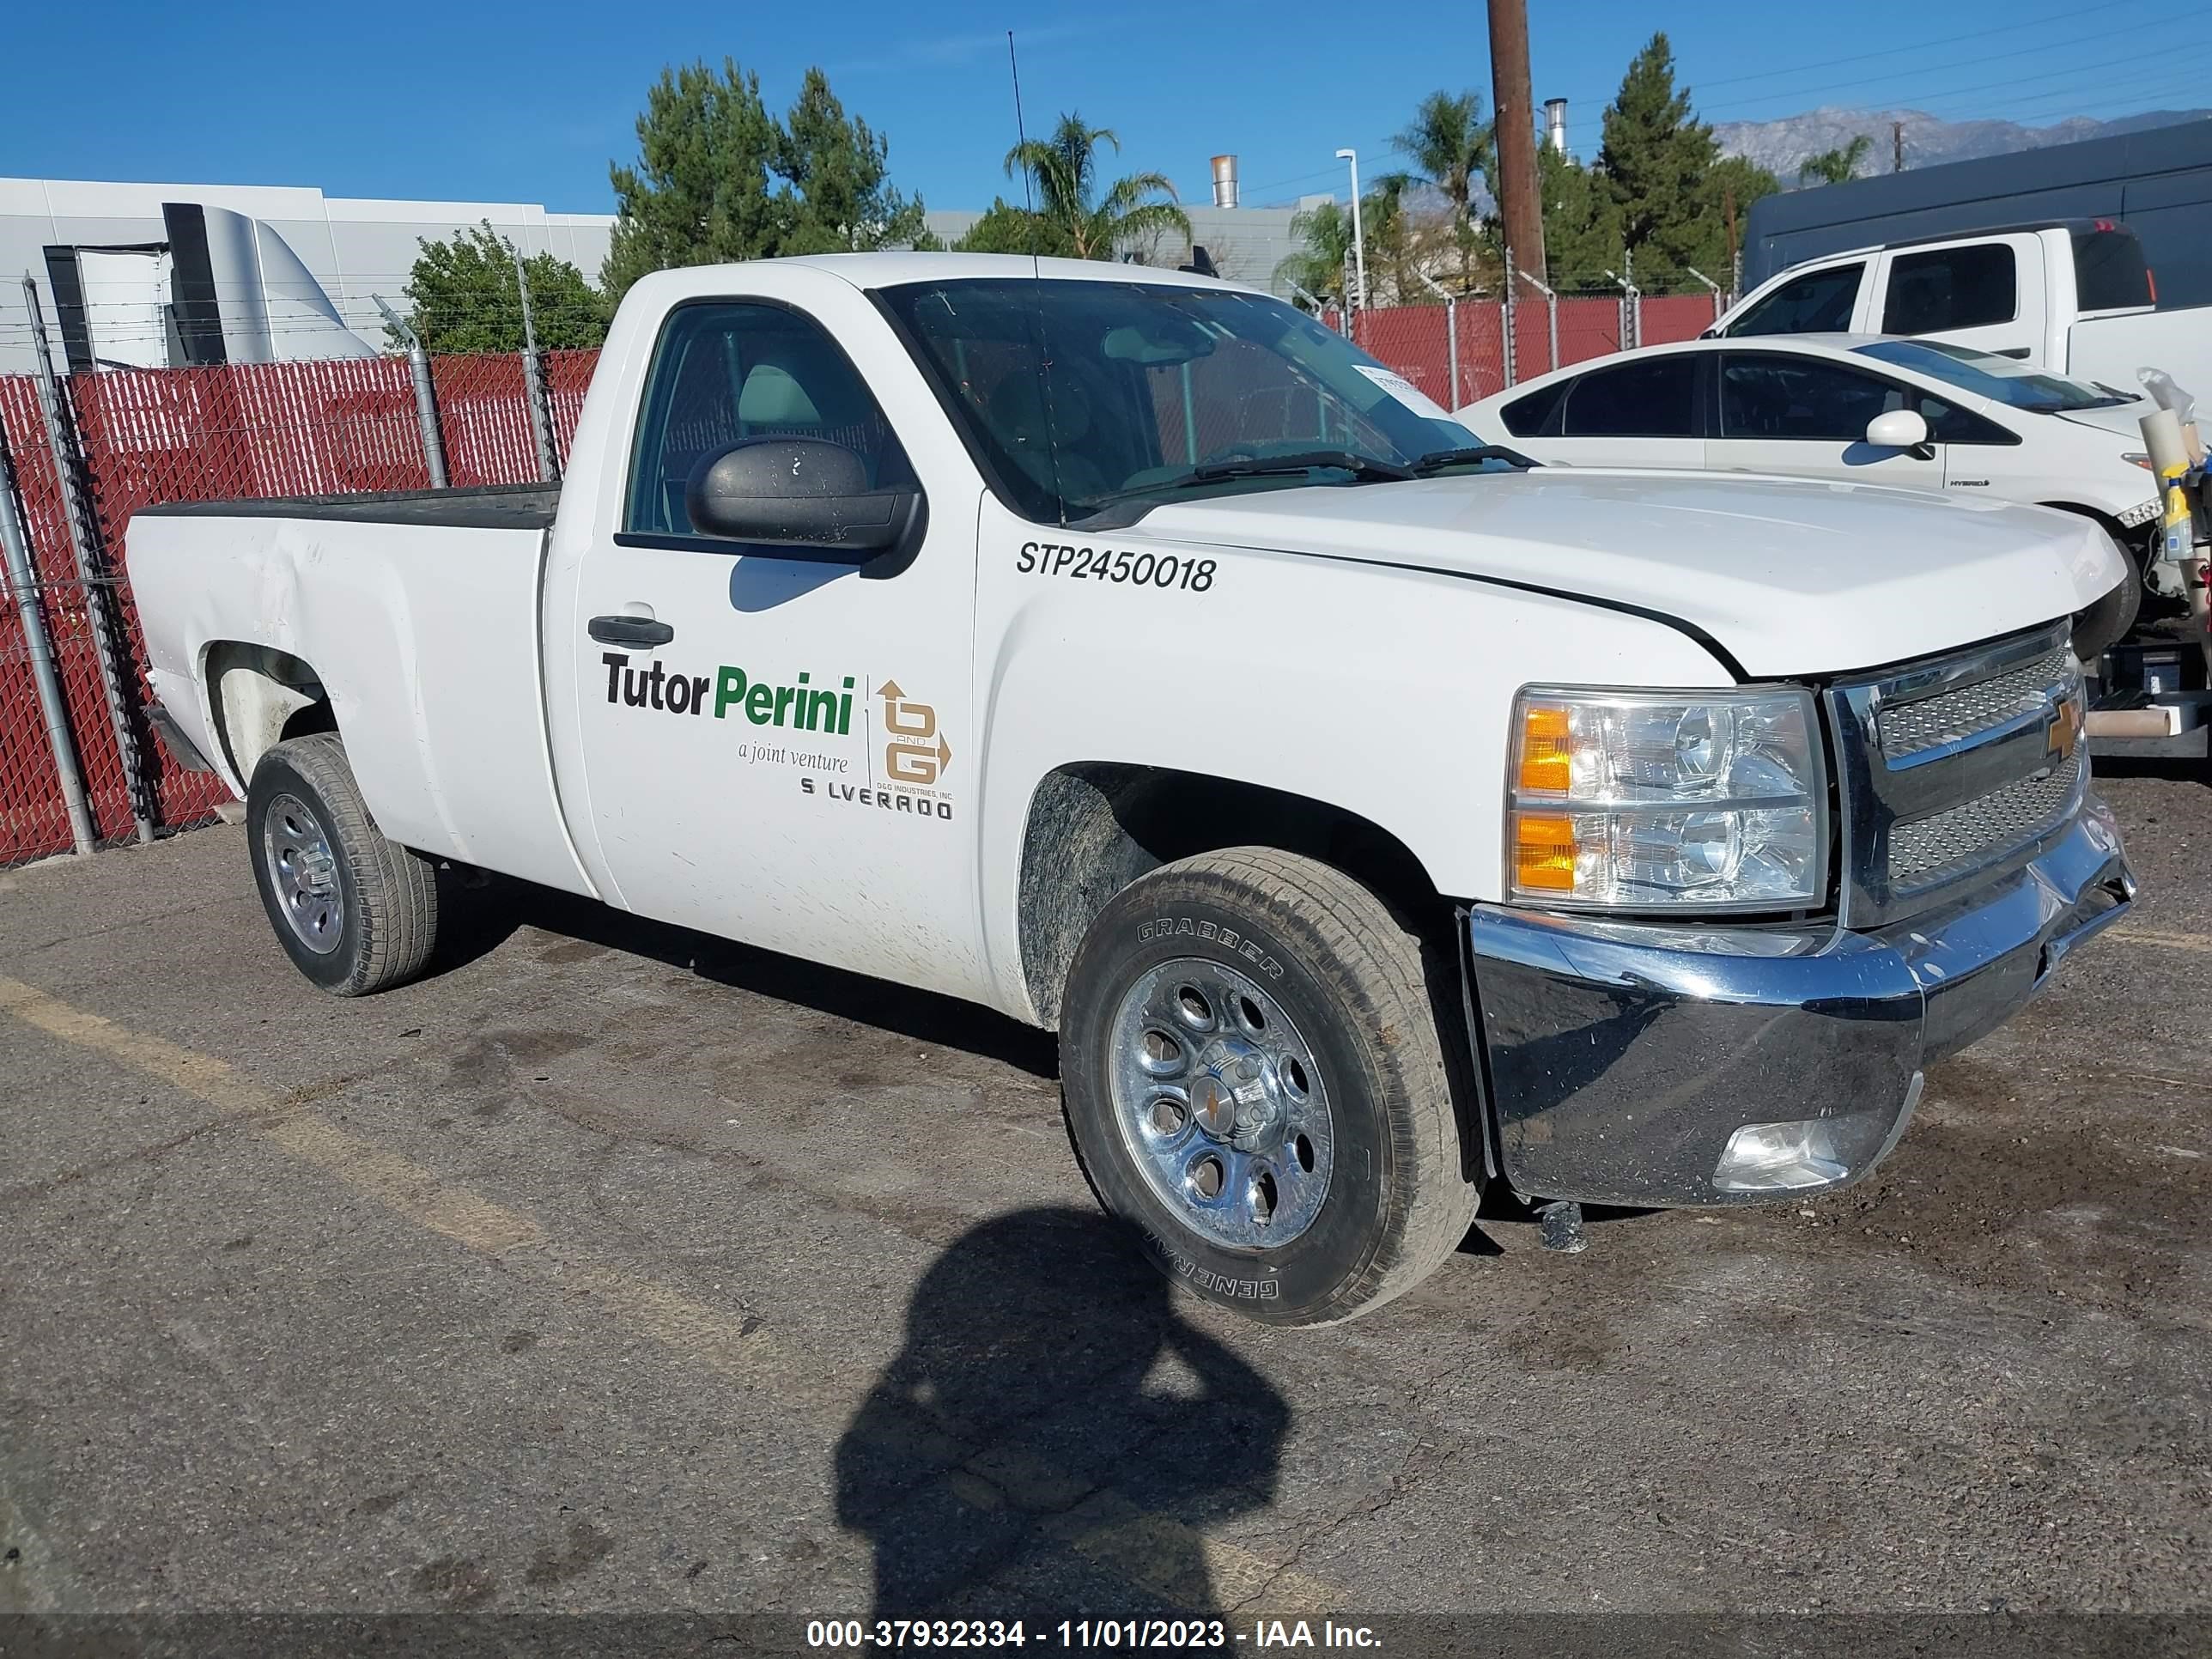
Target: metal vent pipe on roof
1555, 123
1225, 181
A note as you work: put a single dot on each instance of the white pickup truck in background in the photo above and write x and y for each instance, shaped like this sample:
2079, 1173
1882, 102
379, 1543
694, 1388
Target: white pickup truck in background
1372, 816
2073, 295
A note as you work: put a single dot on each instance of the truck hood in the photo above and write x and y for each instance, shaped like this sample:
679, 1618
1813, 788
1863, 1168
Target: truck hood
1790, 576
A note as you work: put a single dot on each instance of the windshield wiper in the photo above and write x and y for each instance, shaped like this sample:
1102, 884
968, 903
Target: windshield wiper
1366, 468
1437, 459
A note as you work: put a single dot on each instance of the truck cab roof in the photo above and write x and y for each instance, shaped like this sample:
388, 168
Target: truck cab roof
879, 271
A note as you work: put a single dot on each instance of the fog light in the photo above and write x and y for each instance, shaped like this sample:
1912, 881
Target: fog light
1774, 1157
1812, 1151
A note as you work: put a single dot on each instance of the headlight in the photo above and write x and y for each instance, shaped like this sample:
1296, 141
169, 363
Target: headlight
1632, 800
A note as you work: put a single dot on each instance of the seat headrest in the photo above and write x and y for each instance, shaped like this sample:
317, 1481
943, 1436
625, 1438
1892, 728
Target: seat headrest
770, 396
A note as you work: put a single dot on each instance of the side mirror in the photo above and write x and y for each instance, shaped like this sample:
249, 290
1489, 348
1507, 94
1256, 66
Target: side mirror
1898, 428
804, 495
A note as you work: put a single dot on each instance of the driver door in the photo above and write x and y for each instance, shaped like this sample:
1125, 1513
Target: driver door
775, 749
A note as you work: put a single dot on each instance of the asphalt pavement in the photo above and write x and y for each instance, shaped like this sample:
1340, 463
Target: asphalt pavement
616, 1270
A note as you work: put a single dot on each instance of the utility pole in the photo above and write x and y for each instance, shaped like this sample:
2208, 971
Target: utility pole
1897, 146
1519, 203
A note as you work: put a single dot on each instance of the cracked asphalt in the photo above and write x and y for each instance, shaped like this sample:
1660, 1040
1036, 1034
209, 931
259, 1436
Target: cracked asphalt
616, 1269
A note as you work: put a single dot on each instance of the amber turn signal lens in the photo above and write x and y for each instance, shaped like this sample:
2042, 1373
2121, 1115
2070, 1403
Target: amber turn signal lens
1545, 745
1543, 853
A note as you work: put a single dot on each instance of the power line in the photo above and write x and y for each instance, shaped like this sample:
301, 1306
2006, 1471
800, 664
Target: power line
1921, 45
2133, 59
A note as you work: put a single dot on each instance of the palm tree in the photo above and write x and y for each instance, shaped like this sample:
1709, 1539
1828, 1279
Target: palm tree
1451, 146
1064, 170
1835, 167
1324, 235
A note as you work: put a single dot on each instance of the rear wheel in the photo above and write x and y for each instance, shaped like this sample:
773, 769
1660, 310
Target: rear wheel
356, 912
1254, 1079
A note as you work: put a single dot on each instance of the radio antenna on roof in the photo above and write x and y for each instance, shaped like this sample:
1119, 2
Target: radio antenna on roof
1039, 357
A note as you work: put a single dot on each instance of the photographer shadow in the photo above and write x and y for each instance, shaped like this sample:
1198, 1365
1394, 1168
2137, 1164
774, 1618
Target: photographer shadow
1049, 1397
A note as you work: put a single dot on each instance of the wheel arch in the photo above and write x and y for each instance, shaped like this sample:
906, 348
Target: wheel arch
1094, 827
258, 696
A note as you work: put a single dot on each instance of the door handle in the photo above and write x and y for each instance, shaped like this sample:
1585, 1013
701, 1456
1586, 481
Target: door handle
640, 631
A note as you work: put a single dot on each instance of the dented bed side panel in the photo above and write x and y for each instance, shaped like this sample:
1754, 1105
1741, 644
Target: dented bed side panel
426, 640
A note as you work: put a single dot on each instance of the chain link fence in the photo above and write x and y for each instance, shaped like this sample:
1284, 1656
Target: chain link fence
134, 438
1455, 351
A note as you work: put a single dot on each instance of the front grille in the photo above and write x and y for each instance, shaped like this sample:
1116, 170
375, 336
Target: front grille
1954, 770
1924, 853
1911, 728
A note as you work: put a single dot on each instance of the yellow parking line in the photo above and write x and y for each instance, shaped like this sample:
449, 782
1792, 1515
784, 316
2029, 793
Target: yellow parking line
1164, 1556
2168, 941
394, 1181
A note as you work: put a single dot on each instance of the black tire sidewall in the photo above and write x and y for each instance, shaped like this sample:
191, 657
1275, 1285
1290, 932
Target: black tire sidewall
1297, 1283
276, 775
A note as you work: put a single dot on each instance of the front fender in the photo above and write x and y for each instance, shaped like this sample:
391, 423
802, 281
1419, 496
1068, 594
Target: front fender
1382, 691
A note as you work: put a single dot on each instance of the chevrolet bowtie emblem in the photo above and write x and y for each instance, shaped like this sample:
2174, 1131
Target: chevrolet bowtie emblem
2065, 733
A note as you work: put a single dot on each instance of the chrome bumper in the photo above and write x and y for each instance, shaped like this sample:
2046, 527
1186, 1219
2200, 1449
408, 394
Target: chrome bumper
1622, 1058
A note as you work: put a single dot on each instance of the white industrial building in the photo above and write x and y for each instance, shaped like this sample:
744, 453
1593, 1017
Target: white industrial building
162, 275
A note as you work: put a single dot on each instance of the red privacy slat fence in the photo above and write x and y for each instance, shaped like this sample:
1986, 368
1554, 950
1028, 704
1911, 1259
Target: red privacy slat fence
144, 436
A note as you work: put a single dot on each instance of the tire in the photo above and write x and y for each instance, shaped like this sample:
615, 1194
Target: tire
356, 912
1316, 1215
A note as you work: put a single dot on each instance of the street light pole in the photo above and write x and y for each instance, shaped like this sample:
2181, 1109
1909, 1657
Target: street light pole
1358, 239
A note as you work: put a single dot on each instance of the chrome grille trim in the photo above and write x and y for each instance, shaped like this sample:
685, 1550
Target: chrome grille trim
1950, 720
1954, 770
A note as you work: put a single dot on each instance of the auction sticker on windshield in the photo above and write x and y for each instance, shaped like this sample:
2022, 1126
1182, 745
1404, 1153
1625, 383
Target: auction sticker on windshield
1406, 393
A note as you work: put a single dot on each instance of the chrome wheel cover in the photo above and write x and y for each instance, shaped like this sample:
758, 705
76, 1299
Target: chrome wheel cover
1221, 1103
303, 873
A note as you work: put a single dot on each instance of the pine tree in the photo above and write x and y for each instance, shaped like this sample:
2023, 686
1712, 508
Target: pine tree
719, 179
464, 298
1581, 230
1655, 161
700, 193
837, 168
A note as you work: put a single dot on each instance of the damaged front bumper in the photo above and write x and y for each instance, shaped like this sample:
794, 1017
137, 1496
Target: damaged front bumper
1681, 1065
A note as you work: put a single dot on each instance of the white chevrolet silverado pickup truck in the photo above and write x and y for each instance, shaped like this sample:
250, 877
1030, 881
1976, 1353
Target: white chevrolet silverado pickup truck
1374, 817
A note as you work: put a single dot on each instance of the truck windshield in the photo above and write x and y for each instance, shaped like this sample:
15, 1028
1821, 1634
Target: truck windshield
2000, 379
1079, 397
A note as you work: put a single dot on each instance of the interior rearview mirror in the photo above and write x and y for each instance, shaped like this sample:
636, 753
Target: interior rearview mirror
1898, 428
1160, 342
809, 498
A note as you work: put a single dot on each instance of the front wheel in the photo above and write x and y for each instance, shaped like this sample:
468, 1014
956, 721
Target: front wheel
356, 912
1253, 1078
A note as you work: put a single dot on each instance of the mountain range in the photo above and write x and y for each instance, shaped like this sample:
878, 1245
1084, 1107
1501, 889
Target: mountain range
1783, 147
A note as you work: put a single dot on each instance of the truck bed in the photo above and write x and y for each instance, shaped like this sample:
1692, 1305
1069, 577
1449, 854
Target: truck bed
494, 507
417, 613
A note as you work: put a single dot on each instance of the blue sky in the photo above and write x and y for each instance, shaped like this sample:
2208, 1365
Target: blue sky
512, 102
